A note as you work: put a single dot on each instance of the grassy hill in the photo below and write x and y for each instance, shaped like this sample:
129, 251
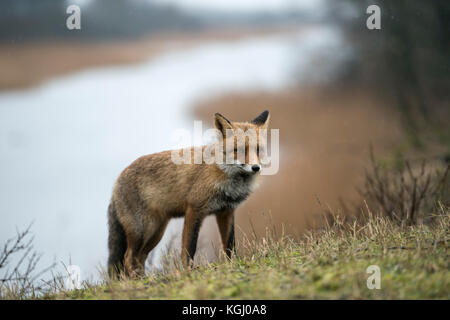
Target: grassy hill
327, 264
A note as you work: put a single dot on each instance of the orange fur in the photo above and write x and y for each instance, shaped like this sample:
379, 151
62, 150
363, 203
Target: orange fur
153, 189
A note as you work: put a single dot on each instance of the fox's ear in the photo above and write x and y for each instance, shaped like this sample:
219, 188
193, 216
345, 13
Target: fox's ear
222, 123
262, 120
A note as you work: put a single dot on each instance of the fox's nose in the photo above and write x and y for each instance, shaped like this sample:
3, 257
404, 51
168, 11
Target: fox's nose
256, 167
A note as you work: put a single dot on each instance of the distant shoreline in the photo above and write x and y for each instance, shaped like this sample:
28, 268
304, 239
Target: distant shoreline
30, 64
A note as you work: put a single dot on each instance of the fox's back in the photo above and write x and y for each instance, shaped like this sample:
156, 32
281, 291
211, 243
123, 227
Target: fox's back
156, 183
153, 182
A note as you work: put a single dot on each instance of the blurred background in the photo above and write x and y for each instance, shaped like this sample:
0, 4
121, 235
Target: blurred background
77, 106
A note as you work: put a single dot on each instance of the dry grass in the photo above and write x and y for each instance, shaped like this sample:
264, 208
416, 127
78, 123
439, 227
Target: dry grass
329, 263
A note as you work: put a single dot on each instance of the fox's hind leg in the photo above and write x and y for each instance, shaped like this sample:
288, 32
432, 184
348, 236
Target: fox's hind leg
153, 237
132, 261
141, 241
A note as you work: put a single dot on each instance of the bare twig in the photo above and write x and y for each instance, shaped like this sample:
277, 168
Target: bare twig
20, 277
403, 194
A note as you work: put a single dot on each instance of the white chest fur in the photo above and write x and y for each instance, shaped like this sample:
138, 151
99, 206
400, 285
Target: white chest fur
231, 192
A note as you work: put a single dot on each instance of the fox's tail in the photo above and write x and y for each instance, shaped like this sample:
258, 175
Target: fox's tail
117, 244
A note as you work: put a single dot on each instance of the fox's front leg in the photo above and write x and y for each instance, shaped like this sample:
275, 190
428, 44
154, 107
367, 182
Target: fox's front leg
225, 221
192, 223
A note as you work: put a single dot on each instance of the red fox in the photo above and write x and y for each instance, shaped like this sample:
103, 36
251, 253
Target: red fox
154, 189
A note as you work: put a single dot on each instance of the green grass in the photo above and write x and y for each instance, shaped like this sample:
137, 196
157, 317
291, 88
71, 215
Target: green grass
328, 264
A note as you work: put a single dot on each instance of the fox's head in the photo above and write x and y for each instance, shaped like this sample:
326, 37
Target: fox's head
244, 143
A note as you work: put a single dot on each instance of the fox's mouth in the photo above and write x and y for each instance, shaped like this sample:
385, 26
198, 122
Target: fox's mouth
251, 168
241, 168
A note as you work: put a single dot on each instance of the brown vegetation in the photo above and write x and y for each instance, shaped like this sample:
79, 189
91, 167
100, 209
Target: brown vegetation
406, 194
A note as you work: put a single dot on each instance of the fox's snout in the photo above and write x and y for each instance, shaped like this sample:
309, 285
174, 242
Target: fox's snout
251, 168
